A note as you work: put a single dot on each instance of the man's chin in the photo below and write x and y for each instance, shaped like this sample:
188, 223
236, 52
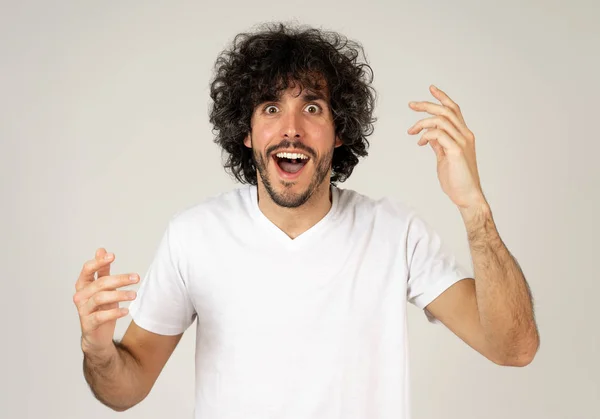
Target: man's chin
289, 195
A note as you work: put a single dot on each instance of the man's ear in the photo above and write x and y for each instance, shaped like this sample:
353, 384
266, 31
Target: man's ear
338, 142
248, 141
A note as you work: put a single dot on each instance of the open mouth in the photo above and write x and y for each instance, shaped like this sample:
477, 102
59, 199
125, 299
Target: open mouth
289, 165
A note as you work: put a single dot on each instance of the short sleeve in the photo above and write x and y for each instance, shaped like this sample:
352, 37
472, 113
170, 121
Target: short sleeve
163, 304
432, 268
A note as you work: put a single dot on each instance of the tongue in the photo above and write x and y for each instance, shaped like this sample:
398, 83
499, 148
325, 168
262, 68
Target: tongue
291, 167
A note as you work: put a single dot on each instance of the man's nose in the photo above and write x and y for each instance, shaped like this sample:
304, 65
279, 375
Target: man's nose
292, 125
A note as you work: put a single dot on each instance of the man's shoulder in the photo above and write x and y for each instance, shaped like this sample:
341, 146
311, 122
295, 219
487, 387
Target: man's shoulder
383, 206
215, 208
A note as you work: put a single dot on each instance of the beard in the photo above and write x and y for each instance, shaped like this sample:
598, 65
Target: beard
287, 198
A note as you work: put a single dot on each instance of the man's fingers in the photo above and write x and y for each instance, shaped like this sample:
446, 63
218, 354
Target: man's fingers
446, 101
105, 300
88, 272
439, 122
97, 318
106, 283
105, 268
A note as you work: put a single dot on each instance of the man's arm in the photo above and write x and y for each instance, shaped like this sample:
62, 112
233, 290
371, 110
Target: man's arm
494, 312
123, 376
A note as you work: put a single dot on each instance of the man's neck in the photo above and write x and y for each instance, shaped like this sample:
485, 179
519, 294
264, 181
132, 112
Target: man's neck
295, 221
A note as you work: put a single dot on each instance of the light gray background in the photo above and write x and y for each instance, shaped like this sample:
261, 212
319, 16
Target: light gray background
104, 134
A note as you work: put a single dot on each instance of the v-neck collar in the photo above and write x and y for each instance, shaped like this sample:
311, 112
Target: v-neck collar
279, 235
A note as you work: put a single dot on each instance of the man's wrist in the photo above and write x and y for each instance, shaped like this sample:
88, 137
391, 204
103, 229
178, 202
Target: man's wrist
100, 356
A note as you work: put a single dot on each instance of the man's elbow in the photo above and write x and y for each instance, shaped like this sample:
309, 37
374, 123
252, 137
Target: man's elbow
121, 408
521, 361
521, 357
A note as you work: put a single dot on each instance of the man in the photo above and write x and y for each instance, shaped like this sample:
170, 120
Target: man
299, 287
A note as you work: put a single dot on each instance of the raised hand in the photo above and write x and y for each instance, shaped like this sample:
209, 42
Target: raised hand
97, 301
454, 145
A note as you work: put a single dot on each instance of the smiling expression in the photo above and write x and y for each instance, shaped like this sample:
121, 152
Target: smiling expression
300, 122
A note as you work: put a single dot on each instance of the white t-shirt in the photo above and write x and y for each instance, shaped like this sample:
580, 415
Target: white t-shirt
312, 327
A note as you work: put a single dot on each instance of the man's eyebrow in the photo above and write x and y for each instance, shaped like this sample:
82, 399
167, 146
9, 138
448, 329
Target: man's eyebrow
312, 96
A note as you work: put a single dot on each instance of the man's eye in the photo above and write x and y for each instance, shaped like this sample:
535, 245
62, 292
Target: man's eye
269, 107
316, 107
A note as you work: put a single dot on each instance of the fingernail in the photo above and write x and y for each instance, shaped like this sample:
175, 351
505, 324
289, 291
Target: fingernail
133, 278
107, 256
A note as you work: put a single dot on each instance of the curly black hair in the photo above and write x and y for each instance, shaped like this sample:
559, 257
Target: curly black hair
260, 65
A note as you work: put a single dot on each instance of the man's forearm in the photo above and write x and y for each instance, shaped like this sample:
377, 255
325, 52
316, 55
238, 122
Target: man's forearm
114, 377
503, 295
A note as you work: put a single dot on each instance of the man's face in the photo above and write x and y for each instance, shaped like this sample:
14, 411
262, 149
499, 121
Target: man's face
298, 122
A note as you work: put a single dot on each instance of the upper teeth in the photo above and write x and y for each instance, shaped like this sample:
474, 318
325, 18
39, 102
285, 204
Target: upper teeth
291, 156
